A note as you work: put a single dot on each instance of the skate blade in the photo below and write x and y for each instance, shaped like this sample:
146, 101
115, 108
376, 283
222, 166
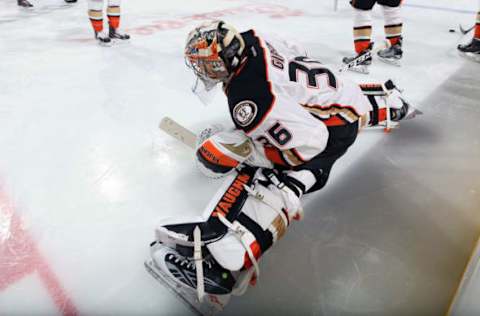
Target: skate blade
176, 290
471, 56
190, 300
360, 69
393, 62
412, 114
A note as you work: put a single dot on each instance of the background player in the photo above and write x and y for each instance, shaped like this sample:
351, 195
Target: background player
472, 49
362, 29
95, 12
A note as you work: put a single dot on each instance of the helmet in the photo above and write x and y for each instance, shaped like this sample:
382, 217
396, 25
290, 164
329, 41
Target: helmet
213, 51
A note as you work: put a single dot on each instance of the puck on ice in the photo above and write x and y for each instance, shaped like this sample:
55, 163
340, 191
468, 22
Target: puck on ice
452, 30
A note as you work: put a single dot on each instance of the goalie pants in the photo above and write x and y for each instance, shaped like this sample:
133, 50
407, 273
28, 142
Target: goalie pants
339, 140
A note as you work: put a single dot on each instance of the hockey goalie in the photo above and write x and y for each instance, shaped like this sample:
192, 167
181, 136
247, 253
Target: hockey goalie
292, 119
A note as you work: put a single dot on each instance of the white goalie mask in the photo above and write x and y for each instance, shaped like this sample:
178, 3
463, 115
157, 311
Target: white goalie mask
213, 51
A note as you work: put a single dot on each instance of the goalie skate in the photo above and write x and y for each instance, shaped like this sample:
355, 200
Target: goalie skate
182, 282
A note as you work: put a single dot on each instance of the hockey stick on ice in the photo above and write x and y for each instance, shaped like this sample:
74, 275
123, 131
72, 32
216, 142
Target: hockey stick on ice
368, 53
465, 31
177, 131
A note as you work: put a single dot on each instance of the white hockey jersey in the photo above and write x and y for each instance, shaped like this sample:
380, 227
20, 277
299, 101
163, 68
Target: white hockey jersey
287, 101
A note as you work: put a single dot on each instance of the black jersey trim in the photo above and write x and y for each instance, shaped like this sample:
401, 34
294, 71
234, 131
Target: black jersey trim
249, 130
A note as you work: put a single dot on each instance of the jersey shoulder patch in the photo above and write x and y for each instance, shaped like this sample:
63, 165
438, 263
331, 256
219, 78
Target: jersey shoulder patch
244, 113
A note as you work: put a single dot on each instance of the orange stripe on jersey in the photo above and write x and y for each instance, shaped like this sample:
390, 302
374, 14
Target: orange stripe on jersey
327, 112
97, 25
297, 154
275, 156
269, 86
257, 252
334, 121
477, 31
114, 21
212, 154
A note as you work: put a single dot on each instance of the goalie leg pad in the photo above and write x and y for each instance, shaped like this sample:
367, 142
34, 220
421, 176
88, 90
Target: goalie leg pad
240, 227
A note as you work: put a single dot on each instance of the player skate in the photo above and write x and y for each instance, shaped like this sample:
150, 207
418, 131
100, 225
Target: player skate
360, 63
102, 38
114, 34
471, 50
179, 274
393, 54
24, 3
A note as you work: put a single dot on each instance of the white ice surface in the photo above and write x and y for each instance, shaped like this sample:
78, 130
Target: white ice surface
82, 158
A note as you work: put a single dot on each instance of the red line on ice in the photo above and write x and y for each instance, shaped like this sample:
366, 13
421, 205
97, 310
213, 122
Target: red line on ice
19, 257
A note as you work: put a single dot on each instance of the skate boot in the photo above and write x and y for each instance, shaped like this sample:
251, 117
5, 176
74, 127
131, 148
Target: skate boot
179, 274
406, 112
359, 63
471, 50
113, 33
392, 54
24, 3
102, 37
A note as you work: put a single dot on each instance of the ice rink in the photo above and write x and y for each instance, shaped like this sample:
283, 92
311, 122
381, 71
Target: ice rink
85, 173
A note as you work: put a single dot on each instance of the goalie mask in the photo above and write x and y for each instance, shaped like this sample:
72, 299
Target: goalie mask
213, 51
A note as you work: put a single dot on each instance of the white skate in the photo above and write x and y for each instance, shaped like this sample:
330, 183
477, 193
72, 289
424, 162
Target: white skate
179, 275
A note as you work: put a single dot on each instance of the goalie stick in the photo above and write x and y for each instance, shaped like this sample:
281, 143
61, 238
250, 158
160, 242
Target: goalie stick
177, 131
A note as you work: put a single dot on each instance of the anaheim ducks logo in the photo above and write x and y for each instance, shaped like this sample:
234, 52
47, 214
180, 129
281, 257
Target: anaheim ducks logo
244, 113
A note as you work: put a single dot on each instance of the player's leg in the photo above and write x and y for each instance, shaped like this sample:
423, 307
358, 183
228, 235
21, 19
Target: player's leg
340, 139
362, 29
95, 13
245, 218
113, 13
393, 31
472, 48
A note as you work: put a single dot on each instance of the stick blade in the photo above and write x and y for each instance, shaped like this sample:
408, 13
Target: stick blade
177, 131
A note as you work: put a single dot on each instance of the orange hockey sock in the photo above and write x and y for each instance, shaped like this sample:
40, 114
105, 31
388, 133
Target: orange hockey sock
477, 27
113, 13
361, 36
393, 33
96, 17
